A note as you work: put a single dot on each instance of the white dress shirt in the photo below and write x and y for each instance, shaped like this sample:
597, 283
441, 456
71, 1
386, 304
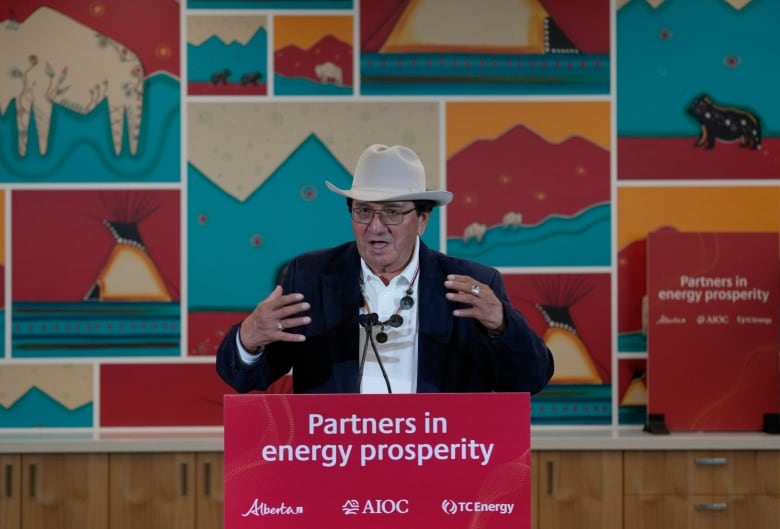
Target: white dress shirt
399, 352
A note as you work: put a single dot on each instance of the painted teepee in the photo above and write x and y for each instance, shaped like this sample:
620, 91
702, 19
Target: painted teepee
129, 272
573, 362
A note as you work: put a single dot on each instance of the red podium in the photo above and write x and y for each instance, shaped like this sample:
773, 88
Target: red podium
713, 331
450, 461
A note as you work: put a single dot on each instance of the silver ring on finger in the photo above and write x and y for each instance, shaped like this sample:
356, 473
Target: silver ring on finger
279, 326
475, 290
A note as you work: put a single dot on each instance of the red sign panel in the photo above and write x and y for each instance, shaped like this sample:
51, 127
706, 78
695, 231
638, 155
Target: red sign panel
713, 329
378, 461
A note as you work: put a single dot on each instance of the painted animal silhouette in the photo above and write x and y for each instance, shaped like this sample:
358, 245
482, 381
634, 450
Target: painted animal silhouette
724, 123
220, 77
251, 78
51, 59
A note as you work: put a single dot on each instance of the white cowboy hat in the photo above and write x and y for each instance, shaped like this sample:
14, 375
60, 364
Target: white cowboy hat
385, 174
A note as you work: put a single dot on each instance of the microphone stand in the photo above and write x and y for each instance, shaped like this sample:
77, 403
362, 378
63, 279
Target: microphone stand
368, 322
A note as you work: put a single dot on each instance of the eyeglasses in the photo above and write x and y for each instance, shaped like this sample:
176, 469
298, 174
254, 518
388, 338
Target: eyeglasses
387, 217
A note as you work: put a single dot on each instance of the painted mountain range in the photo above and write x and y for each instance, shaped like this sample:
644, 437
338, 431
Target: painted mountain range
294, 62
523, 172
219, 67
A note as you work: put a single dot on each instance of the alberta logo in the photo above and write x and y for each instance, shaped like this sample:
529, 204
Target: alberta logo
670, 320
261, 508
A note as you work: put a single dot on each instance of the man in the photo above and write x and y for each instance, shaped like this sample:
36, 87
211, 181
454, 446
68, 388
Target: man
385, 313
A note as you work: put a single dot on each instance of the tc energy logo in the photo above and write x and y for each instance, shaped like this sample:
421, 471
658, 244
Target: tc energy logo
455, 507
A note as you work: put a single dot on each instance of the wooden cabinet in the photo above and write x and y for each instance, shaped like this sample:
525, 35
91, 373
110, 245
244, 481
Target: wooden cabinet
579, 490
114, 491
10, 491
702, 489
534, 490
166, 491
210, 496
152, 491
67, 491
600, 489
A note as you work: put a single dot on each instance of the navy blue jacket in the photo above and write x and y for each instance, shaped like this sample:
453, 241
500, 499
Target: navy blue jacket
454, 354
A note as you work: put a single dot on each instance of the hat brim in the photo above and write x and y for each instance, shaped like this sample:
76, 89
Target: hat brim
441, 198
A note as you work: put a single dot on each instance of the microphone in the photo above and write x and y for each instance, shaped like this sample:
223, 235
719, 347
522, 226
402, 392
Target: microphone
393, 321
396, 320
368, 322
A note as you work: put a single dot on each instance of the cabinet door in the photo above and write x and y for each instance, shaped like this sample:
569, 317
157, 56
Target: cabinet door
10, 491
580, 490
701, 511
67, 491
210, 502
152, 491
701, 472
534, 490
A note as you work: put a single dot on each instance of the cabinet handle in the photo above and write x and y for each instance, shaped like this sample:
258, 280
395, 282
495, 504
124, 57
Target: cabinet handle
711, 506
207, 479
711, 461
9, 481
33, 472
550, 469
184, 479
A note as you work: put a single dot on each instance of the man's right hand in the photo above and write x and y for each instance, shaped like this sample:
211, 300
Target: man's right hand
270, 318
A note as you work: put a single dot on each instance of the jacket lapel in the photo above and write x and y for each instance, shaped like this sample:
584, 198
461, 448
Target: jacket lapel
435, 310
435, 320
340, 294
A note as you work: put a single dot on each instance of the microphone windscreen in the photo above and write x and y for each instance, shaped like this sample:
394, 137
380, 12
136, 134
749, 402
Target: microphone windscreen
368, 320
395, 320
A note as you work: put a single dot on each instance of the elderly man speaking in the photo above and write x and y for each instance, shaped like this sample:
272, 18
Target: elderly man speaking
384, 313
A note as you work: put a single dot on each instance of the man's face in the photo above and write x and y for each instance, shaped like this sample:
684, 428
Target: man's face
388, 248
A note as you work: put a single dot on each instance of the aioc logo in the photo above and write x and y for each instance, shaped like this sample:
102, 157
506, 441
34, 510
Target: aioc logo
713, 319
386, 506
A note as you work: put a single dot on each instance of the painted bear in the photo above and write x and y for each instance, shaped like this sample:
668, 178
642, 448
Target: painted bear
724, 123
220, 77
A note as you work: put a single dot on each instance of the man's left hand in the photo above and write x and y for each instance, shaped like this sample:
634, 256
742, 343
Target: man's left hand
482, 304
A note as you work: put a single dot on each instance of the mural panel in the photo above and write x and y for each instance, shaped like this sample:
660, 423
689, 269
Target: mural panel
531, 182
698, 100
463, 47
95, 273
227, 55
86, 96
257, 195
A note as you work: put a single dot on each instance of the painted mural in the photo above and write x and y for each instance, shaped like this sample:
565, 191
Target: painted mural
95, 273
257, 195
313, 56
227, 55
149, 198
567, 311
698, 87
462, 47
531, 183
42, 395
269, 4
86, 98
